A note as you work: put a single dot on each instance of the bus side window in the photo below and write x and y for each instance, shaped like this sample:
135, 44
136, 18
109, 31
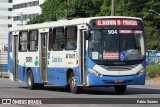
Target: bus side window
71, 38
58, 39
51, 41
23, 41
33, 40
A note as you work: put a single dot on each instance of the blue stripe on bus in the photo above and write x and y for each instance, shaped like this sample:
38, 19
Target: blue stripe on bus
22, 73
55, 75
58, 75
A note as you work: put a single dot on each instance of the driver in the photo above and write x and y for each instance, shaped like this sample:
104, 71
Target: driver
123, 46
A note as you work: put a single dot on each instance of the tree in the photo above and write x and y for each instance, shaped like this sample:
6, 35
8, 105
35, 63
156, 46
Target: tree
57, 9
138, 8
85, 8
51, 11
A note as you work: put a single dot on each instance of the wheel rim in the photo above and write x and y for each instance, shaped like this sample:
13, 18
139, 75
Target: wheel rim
29, 81
73, 83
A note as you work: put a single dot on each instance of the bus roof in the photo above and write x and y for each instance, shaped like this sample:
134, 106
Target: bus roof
64, 22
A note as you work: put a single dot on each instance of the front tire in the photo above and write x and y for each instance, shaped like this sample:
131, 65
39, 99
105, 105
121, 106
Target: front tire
30, 80
39, 86
73, 86
120, 89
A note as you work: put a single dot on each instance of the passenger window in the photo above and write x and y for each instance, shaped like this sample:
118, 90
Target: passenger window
23, 41
58, 39
33, 40
71, 38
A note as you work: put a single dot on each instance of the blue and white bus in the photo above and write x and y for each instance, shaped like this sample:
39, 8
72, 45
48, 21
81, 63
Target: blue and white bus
77, 53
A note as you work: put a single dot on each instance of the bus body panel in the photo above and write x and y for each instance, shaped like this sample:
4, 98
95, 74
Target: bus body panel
59, 63
10, 66
106, 77
58, 76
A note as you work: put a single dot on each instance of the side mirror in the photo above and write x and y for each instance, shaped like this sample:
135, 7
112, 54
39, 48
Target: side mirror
87, 35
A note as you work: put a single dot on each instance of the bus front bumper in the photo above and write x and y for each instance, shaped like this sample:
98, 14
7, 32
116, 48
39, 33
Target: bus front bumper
93, 80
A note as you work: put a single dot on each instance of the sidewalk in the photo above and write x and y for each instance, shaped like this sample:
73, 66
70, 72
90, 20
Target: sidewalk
154, 81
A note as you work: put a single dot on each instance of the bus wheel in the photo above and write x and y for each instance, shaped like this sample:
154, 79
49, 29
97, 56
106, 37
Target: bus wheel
30, 81
40, 86
73, 86
120, 89
67, 87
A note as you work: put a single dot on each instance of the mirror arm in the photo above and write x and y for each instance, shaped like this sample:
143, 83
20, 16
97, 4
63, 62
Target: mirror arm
89, 26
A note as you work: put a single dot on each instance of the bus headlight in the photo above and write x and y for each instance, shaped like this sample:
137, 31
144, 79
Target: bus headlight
96, 73
141, 71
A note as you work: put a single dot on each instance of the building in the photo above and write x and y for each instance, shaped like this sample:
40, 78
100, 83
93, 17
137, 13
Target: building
25, 10
5, 20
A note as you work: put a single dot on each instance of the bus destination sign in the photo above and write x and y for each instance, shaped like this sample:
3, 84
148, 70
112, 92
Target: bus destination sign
116, 22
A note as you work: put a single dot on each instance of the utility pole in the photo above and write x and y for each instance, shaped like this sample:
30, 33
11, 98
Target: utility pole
113, 8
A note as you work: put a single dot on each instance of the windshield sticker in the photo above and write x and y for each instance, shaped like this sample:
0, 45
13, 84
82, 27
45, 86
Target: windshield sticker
122, 56
94, 55
100, 56
110, 55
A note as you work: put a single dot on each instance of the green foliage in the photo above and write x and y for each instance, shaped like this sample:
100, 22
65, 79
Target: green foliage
58, 9
85, 8
153, 71
105, 8
51, 10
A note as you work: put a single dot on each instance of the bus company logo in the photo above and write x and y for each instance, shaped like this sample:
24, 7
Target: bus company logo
36, 62
6, 101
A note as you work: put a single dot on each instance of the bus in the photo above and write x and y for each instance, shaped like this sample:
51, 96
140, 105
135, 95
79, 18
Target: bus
77, 53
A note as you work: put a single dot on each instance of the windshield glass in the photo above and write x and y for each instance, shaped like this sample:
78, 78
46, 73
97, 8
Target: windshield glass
116, 45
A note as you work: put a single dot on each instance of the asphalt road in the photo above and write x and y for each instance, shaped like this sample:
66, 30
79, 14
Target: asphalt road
59, 96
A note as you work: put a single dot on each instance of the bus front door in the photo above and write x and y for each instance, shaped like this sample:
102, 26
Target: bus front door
15, 57
82, 59
43, 58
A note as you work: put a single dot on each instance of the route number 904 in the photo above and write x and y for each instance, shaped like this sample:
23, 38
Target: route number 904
112, 32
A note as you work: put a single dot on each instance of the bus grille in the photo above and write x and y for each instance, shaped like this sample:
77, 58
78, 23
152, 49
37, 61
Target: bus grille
118, 68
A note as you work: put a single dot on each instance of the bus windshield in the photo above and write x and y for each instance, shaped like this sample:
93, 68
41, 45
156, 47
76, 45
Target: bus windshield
117, 44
